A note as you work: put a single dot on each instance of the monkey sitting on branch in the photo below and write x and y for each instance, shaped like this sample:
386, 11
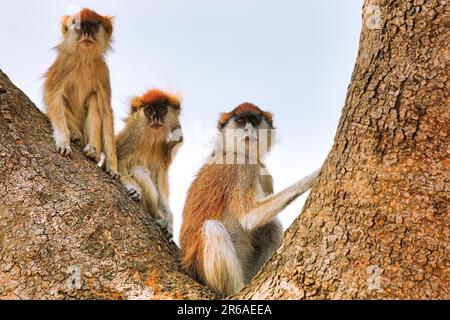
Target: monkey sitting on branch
77, 90
146, 149
230, 228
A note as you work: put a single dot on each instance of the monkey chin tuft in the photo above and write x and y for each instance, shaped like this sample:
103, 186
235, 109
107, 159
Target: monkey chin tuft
86, 43
156, 125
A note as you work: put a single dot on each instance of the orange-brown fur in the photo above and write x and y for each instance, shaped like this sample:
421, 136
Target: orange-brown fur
139, 145
77, 90
226, 116
218, 190
229, 225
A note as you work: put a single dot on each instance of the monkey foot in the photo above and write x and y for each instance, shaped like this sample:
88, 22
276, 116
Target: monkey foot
113, 174
91, 152
135, 193
75, 137
164, 224
64, 149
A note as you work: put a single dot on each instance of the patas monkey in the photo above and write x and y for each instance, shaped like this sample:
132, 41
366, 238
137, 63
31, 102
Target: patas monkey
229, 226
145, 150
77, 90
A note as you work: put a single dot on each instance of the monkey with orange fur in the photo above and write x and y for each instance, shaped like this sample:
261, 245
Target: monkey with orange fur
145, 151
77, 89
229, 226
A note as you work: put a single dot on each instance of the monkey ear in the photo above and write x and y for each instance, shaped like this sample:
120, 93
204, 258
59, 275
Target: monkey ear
107, 22
223, 119
136, 104
64, 27
269, 118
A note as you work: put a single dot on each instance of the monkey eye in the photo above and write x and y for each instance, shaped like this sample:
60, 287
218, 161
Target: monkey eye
148, 110
255, 121
93, 27
161, 109
240, 121
252, 119
86, 26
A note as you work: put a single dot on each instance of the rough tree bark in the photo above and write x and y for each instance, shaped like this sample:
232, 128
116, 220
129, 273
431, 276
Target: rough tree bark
377, 223
375, 226
69, 231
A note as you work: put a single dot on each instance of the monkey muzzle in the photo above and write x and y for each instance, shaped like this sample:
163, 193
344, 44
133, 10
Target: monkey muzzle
87, 31
156, 115
86, 41
250, 133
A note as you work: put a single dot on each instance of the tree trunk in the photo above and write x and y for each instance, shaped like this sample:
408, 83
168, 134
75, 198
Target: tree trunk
375, 226
377, 222
69, 231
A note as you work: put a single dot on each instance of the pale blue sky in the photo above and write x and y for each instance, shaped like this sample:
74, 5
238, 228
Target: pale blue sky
294, 58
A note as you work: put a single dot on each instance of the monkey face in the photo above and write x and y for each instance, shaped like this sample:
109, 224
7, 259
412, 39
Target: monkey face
87, 30
157, 110
162, 115
246, 126
247, 120
156, 113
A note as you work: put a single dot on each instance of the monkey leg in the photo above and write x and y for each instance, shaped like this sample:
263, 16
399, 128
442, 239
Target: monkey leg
56, 113
266, 240
133, 188
223, 271
152, 200
109, 145
149, 193
268, 208
167, 222
74, 130
92, 130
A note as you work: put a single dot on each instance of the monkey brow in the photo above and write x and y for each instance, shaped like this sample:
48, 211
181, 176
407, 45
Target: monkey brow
156, 103
248, 114
86, 22
90, 23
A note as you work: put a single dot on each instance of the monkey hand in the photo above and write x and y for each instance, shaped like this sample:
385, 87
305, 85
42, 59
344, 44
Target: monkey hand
112, 173
75, 137
63, 148
175, 136
110, 170
92, 153
134, 191
166, 226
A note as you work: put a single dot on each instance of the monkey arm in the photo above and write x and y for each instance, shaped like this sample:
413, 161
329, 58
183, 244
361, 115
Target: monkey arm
266, 209
56, 113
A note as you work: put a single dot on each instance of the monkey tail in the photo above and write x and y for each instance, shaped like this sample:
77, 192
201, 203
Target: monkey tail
223, 271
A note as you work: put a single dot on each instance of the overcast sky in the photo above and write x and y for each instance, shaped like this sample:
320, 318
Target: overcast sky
294, 58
